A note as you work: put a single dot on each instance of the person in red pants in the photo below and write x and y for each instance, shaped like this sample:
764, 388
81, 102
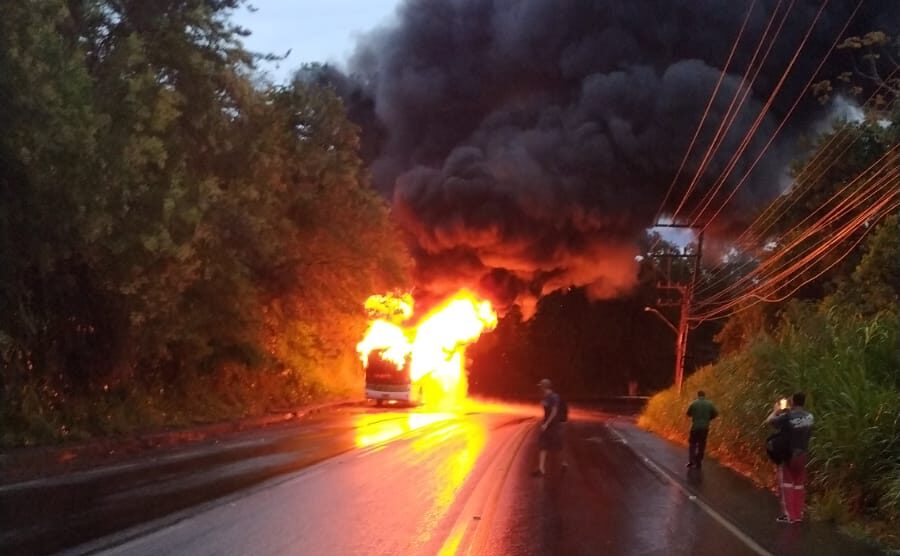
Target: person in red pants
798, 425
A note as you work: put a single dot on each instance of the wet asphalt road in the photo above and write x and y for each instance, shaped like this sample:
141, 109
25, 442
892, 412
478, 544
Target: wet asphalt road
376, 482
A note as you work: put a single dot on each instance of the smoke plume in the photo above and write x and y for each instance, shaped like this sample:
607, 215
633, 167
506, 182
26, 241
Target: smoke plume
527, 144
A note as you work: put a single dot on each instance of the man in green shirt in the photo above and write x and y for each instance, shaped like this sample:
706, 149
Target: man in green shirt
701, 411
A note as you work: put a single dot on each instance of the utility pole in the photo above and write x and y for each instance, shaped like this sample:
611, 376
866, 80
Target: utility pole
684, 290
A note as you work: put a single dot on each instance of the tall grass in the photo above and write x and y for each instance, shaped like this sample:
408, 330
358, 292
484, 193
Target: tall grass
848, 366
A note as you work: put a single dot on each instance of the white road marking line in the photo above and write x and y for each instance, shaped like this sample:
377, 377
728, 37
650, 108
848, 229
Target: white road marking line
472, 529
722, 520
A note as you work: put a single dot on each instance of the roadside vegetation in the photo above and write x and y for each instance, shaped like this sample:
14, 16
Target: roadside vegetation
847, 365
837, 339
180, 241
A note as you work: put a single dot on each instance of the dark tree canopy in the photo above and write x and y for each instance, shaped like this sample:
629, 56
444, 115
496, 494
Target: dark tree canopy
166, 223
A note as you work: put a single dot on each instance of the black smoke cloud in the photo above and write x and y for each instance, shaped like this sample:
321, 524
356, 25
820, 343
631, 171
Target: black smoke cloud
526, 145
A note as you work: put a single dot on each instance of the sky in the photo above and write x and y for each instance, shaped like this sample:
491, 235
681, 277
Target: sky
314, 30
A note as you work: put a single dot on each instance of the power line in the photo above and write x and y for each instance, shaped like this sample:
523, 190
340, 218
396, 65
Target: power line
706, 110
684, 290
698, 319
823, 205
721, 271
782, 270
790, 271
871, 216
871, 226
817, 161
763, 113
737, 102
842, 208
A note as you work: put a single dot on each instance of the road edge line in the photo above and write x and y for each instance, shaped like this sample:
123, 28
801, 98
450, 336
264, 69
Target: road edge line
718, 517
482, 532
130, 534
479, 505
177, 451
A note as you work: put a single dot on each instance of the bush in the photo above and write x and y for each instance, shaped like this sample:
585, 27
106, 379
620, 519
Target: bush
846, 364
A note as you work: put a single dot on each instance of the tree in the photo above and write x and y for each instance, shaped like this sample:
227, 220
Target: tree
49, 154
875, 61
874, 285
168, 222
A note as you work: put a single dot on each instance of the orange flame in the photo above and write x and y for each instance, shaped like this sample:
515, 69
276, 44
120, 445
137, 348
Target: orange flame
435, 347
388, 339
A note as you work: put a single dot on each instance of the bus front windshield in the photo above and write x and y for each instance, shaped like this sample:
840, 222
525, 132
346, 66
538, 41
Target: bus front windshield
379, 371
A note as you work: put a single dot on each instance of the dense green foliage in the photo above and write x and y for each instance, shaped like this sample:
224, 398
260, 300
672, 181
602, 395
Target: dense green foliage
177, 241
847, 365
838, 340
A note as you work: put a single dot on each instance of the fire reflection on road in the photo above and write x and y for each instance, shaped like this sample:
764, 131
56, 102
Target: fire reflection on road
443, 450
455, 469
377, 428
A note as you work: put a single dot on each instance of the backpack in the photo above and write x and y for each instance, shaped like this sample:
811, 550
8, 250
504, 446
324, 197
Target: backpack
778, 447
562, 412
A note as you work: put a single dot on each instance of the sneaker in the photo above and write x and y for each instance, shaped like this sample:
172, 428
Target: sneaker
689, 465
537, 473
783, 519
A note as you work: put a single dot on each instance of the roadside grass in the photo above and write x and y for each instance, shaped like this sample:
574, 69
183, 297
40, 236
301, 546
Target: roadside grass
39, 418
848, 367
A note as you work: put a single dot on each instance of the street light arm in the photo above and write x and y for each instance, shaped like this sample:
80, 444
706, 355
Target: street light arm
663, 317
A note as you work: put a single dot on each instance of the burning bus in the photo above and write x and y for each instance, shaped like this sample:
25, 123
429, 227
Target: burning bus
426, 361
385, 382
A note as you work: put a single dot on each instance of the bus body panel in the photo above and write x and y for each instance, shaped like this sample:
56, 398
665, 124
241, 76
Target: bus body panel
379, 392
384, 381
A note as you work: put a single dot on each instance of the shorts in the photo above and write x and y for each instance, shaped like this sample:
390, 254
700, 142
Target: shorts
551, 439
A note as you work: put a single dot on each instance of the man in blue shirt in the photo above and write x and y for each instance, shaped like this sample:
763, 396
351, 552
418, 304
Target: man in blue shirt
550, 437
